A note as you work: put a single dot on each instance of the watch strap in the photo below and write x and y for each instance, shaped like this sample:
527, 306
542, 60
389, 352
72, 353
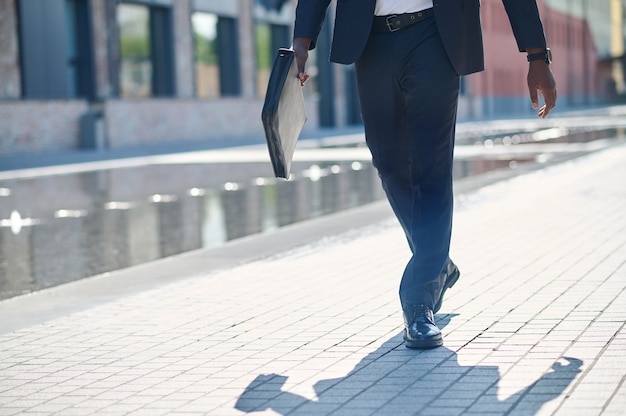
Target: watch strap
541, 56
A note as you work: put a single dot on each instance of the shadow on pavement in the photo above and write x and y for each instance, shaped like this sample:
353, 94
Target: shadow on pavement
397, 380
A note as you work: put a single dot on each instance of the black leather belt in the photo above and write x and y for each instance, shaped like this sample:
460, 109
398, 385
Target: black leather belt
396, 22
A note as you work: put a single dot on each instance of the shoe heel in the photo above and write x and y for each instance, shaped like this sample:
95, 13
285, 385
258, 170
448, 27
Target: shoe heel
455, 278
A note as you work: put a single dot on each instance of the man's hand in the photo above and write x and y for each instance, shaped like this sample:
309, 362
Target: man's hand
541, 78
301, 50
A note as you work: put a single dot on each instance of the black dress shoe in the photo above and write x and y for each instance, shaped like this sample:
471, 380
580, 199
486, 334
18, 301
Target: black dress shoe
451, 276
420, 330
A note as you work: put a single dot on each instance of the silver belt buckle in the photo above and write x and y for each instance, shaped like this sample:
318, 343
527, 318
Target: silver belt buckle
390, 24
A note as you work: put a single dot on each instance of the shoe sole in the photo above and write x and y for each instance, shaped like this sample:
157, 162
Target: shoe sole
450, 281
424, 345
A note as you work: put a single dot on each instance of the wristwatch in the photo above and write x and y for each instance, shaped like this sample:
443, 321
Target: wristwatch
541, 56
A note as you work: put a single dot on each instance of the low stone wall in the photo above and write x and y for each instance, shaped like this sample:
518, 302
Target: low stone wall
49, 126
40, 126
132, 123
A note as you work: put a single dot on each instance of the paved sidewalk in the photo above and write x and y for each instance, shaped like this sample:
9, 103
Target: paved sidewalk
535, 325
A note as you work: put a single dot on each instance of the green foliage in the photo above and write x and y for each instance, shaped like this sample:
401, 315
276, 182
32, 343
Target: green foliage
263, 41
206, 52
135, 47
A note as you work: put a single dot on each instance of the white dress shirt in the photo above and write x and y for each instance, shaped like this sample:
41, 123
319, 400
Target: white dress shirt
386, 7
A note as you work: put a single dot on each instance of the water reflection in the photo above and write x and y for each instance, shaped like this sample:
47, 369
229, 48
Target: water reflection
561, 134
56, 229
468, 167
64, 228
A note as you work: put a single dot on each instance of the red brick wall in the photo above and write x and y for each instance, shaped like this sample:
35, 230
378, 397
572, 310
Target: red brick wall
575, 58
568, 37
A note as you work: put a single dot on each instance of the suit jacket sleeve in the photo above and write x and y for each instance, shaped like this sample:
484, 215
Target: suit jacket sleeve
526, 23
310, 16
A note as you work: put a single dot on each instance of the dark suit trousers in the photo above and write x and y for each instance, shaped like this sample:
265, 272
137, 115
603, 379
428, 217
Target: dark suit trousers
409, 93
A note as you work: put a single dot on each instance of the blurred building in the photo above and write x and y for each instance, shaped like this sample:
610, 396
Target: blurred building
606, 26
579, 34
118, 73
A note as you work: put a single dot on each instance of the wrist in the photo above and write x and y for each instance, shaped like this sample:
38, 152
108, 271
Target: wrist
530, 51
539, 54
302, 42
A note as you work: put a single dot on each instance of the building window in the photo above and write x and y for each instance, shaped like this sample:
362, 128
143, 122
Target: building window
79, 44
56, 49
216, 55
136, 63
146, 51
72, 55
264, 56
207, 59
271, 31
268, 39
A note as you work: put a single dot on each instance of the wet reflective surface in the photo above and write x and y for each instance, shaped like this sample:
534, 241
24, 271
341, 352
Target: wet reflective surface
65, 227
55, 229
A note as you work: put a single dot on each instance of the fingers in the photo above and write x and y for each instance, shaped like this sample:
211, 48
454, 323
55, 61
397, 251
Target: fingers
301, 62
550, 100
541, 79
301, 58
301, 51
303, 76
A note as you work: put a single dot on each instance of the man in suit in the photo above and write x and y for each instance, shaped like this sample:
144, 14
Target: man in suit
409, 55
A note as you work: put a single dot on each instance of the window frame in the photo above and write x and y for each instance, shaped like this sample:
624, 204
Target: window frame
47, 72
161, 47
279, 23
229, 63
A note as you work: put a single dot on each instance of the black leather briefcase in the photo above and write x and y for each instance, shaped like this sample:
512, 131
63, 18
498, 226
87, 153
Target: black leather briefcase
283, 113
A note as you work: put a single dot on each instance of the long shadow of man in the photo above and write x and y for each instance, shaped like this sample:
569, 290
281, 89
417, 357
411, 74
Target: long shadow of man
395, 380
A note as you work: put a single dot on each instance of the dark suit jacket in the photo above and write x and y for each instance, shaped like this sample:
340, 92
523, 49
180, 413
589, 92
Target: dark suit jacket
458, 22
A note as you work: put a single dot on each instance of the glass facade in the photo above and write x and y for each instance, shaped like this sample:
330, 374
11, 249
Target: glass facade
136, 68
207, 64
72, 50
56, 49
216, 50
268, 38
264, 56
